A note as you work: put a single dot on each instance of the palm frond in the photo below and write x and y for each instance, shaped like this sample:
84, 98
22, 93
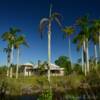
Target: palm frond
82, 21
96, 24
13, 30
19, 41
57, 17
6, 36
79, 45
94, 37
56, 14
68, 30
75, 39
43, 23
79, 40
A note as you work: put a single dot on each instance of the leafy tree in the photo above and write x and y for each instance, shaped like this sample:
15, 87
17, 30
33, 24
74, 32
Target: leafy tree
77, 68
9, 37
64, 62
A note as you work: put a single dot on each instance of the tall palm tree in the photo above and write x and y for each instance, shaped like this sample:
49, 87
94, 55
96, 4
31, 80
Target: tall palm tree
94, 38
96, 25
68, 32
79, 40
83, 24
48, 22
9, 37
20, 40
82, 40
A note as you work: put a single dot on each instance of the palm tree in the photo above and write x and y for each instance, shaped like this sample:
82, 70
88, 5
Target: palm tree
83, 24
9, 37
20, 40
96, 26
68, 32
79, 40
48, 22
82, 40
94, 38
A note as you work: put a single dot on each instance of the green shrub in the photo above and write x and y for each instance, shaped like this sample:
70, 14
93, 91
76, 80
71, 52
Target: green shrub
93, 78
78, 69
46, 95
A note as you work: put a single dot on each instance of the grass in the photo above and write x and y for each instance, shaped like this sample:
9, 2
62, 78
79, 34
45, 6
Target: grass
72, 84
40, 82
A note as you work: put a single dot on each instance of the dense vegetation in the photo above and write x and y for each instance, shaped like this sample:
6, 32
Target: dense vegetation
73, 85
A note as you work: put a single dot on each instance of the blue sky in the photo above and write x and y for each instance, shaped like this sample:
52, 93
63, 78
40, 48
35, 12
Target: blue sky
26, 14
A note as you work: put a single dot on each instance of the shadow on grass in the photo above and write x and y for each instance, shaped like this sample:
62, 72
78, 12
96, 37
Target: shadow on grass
77, 94
23, 97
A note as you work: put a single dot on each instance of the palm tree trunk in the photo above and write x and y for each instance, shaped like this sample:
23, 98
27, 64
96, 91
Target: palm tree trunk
84, 50
87, 56
11, 61
12, 52
8, 63
99, 45
17, 67
7, 66
49, 45
82, 60
95, 55
49, 50
70, 52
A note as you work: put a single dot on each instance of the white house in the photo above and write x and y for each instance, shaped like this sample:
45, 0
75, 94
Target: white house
27, 69
30, 69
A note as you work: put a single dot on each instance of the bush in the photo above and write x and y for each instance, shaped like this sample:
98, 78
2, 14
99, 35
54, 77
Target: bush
46, 95
3, 71
77, 68
93, 78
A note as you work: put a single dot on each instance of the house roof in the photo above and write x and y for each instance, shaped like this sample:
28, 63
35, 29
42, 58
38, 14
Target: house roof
52, 66
27, 64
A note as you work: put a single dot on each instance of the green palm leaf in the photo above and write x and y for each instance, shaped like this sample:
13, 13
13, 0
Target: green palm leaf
20, 40
69, 30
